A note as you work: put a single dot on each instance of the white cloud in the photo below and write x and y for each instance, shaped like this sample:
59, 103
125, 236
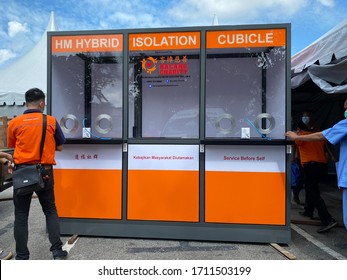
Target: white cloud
123, 14
328, 3
6, 55
15, 27
236, 11
125, 18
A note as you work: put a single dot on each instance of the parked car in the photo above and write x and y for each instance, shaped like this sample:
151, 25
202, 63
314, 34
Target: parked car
5, 177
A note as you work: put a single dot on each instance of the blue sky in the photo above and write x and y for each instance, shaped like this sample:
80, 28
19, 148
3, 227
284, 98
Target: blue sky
23, 22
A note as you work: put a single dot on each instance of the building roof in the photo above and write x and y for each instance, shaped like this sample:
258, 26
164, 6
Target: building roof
324, 62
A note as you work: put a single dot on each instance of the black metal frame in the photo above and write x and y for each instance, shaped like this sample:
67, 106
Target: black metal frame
179, 230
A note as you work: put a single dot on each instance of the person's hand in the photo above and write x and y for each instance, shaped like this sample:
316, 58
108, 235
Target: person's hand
292, 135
10, 166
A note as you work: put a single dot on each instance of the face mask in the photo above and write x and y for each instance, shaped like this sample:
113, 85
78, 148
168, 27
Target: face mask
346, 114
305, 119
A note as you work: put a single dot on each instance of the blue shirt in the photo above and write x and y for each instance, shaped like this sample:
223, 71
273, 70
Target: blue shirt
338, 134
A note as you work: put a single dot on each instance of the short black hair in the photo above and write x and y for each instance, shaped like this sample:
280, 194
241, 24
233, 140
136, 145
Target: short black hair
34, 94
299, 124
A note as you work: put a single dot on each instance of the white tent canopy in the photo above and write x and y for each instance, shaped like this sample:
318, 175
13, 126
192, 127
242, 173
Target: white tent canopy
324, 62
28, 72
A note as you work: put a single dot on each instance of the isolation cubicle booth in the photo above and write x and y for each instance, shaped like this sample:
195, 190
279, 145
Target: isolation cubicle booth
174, 133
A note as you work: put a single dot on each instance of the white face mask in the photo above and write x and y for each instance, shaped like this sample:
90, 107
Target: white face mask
305, 119
346, 114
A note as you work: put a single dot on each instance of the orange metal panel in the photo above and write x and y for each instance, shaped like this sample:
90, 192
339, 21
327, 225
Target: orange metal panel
87, 43
245, 198
163, 195
164, 41
88, 193
246, 38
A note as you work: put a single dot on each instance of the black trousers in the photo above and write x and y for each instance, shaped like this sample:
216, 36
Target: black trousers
21, 212
313, 174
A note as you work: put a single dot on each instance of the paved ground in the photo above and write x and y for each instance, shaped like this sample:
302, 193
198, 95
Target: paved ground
306, 243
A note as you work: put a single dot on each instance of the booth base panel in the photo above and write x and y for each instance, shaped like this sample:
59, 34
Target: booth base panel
203, 232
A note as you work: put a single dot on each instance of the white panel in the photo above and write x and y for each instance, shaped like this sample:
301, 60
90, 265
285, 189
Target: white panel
90, 157
245, 158
163, 157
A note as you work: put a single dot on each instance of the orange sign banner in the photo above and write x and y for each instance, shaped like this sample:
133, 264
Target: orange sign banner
87, 43
246, 38
164, 41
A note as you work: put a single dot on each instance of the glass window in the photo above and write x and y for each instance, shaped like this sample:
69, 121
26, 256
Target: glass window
164, 85
87, 74
245, 83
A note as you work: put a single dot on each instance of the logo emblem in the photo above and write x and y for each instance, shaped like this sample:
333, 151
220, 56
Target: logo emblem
149, 64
